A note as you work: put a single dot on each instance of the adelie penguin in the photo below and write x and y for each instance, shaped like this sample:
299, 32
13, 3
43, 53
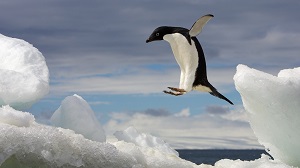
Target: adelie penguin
189, 56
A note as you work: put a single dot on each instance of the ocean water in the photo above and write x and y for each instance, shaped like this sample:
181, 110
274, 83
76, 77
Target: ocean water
211, 156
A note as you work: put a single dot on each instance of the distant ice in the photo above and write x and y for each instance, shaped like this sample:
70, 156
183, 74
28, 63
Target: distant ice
24, 73
273, 104
76, 114
144, 140
263, 162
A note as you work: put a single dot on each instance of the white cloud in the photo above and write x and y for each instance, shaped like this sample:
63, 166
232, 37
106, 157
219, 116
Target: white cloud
131, 80
183, 130
183, 113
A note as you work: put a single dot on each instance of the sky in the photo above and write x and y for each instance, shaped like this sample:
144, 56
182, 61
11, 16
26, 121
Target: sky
97, 49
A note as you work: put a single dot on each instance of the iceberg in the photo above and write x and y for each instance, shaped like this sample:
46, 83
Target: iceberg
76, 114
273, 104
24, 73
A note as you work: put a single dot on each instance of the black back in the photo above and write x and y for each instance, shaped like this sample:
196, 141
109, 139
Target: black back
201, 74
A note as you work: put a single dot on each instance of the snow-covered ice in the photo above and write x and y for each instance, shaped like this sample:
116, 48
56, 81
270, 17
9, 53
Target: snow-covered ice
273, 104
54, 147
38, 145
76, 114
11, 116
24, 73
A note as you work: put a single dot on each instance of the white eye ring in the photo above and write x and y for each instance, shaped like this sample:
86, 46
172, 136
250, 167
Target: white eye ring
157, 34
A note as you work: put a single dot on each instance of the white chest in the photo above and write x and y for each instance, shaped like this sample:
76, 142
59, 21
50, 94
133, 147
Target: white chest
185, 54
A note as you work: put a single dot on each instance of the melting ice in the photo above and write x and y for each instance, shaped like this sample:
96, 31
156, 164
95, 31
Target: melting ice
26, 143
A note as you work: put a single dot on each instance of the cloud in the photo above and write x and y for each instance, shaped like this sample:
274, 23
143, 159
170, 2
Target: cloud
215, 109
182, 130
132, 80
100, 40
157, 112
183, 113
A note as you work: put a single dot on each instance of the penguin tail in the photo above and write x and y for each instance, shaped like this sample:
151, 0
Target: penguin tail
212, 90
219, 95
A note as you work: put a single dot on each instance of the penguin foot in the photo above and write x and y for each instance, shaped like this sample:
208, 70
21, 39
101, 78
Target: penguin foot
177, 89
173, 93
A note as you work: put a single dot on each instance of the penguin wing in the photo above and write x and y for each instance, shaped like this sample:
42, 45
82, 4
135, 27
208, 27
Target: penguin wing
198, 25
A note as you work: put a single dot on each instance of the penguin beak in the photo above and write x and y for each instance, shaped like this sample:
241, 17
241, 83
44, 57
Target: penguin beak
151, 38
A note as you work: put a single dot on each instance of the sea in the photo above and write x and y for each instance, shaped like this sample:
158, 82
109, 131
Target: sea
211, 156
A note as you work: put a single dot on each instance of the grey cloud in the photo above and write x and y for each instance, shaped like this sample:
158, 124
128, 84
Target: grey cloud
157, 112
218, 110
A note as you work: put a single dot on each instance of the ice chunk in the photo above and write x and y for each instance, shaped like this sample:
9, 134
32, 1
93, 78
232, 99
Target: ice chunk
148, 157
144, 140
76, 114
45, 146
11, 116
23, 72
273, 105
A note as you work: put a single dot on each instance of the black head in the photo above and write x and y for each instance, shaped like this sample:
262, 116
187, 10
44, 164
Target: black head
159, 33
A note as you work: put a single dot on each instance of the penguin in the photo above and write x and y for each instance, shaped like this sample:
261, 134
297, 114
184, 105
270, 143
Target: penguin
189, 55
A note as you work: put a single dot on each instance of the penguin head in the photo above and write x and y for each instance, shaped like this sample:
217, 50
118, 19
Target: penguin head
159, 33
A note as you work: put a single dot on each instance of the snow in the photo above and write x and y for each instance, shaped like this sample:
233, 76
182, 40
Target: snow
273, 104
24, 73
263, 162
144, 140
53, 147
76, 114
11, 116
39, 145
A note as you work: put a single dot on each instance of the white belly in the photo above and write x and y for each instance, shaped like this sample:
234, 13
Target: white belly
186, 56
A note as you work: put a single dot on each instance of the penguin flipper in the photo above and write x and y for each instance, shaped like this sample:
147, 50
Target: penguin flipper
199, 24
219, 95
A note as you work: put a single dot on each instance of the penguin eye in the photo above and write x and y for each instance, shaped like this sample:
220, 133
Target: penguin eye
157, 34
